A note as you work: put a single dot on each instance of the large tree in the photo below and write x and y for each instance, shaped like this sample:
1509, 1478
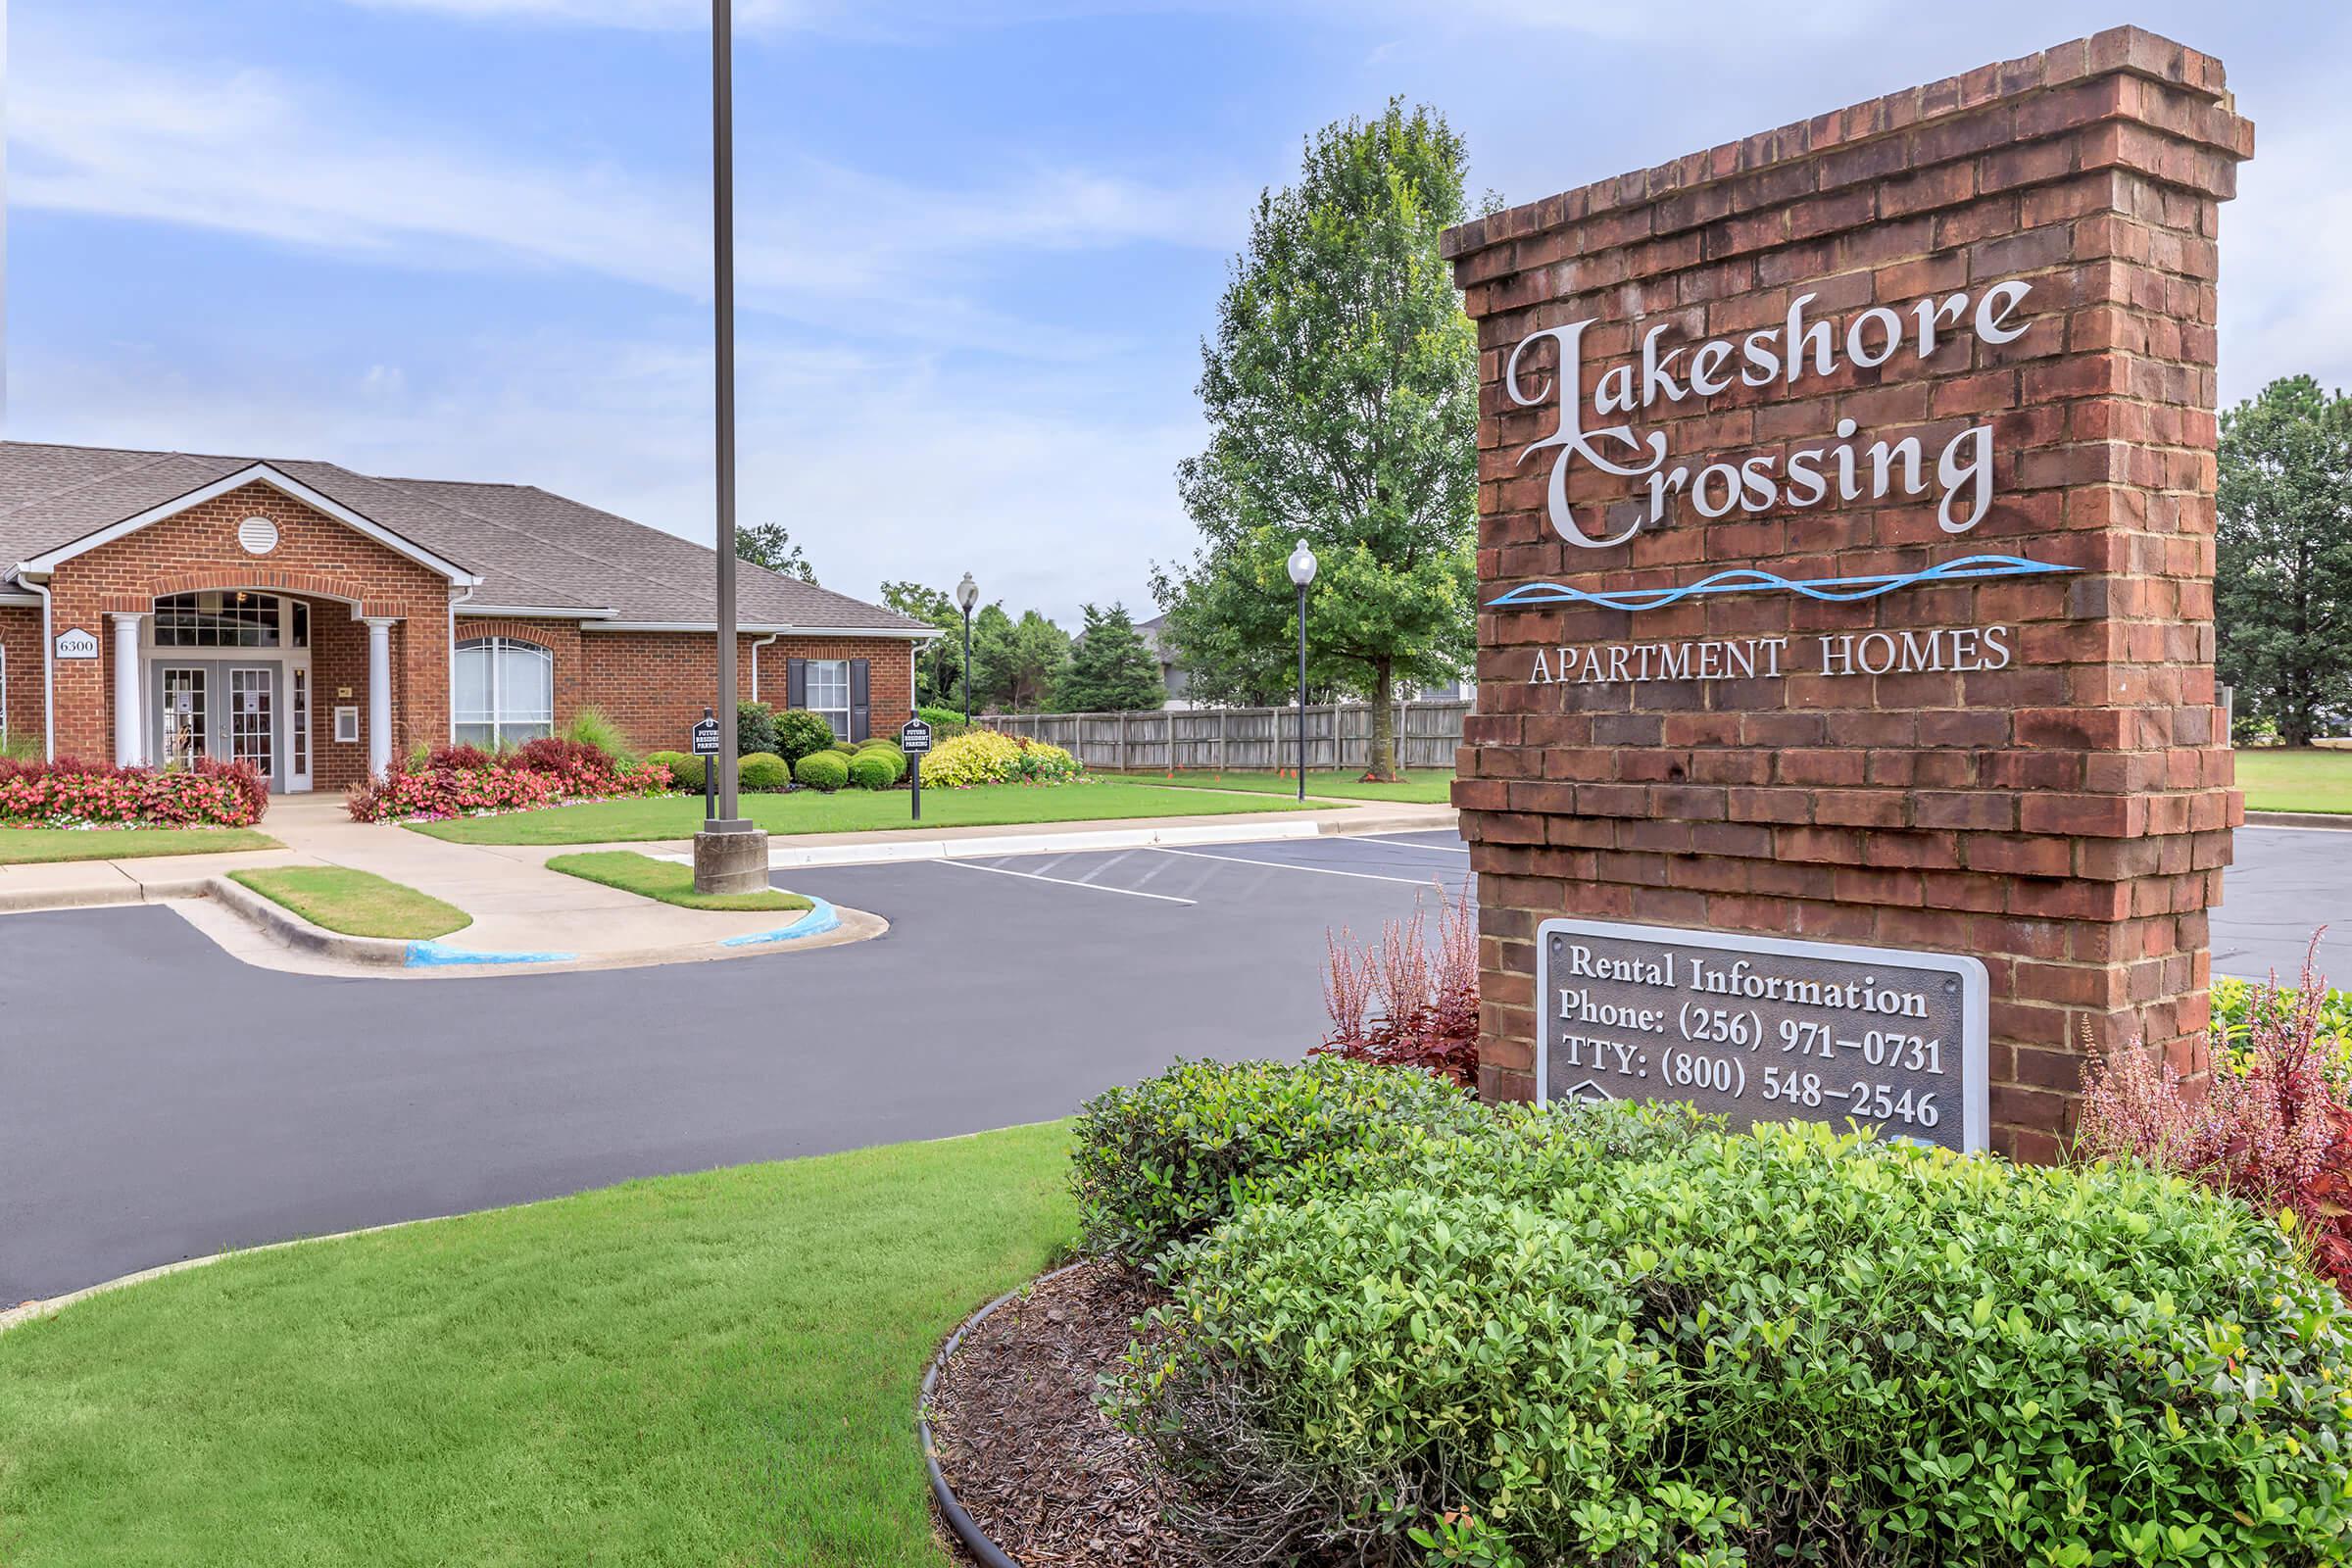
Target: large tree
769, 545
1110, 669
938, 662
1017, 665
1341, 396
2282, 581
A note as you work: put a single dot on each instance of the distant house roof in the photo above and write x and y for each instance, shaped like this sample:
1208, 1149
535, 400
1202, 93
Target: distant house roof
530, 550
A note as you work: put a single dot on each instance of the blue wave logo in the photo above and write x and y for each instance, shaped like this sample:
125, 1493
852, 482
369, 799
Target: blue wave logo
1750, 580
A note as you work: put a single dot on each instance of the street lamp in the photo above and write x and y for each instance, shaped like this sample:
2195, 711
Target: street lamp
967, 594
1302, 572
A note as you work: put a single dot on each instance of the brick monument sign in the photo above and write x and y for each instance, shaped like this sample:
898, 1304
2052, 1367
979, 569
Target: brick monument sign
1846, 545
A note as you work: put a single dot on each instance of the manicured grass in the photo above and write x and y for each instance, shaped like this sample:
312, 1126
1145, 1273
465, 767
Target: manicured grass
1433, 787
649, 878
2301, 780
679, 816
42, 846
717, 1368
357, 903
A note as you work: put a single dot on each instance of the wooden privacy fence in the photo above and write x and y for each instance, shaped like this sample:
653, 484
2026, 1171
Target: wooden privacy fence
1338, 737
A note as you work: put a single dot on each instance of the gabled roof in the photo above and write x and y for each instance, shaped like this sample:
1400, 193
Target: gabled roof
517, 547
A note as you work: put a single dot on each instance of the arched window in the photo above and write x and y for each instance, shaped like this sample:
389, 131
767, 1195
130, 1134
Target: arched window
505, 692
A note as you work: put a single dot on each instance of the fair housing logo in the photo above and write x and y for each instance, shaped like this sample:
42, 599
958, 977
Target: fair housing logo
1767, 357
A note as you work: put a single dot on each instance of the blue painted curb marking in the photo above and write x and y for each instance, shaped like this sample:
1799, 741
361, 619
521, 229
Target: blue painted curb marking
432, 955
820, 918
1748, 580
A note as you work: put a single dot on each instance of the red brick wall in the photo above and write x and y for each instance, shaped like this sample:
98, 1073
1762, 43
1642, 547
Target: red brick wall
2065, 818
316, 556
654, 685
20, 645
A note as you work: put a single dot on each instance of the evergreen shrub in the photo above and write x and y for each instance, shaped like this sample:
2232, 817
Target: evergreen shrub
872, 770
764, 771
822, 770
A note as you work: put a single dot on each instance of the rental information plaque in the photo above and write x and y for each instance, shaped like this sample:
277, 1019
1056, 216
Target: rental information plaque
1760, 1029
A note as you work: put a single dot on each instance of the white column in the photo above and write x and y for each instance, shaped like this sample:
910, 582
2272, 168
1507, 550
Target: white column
379, 696
130, 734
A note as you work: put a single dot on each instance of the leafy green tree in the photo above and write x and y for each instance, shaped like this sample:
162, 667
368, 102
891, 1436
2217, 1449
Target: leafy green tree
1018, 663
937, 663
1110, 669
769, 545
1342, 395
2282, 580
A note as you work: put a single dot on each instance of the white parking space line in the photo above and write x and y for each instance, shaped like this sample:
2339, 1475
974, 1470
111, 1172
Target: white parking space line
1293, 865
1067, 882
1424, 849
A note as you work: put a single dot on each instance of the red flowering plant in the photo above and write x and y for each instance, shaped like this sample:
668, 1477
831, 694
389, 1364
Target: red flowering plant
467, 781
1403, 1003
2273, 1127
73, 793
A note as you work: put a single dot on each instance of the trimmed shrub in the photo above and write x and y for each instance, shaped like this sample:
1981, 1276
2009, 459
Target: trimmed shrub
985, 756
1783, 1346
842, 749
591, 728
686, 772
946, 722
873, 770
1162, 1161
764, 771
822, 770
800, 732
755, 729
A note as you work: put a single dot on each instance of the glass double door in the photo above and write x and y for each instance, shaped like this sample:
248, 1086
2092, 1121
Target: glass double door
221, 710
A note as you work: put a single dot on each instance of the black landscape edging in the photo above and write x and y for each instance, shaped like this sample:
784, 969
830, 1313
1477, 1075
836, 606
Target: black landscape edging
967, 1530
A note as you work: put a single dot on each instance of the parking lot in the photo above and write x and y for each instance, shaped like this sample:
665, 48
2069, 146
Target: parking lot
162, 1099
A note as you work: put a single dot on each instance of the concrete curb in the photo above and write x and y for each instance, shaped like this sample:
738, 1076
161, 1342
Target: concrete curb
294, 931
2324, 820
28, 900
819, 918
788, 856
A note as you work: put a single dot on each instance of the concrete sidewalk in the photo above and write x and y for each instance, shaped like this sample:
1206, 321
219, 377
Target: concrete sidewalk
523, 911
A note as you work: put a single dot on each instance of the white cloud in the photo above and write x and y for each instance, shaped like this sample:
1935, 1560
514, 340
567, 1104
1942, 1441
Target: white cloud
250, 152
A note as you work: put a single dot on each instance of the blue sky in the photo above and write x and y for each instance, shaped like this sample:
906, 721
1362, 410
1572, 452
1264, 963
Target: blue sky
979, 242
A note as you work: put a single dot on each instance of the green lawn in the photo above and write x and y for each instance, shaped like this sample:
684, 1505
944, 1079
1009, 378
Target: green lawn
357, 903
708, 1369
1430, 788
41, 846
678, 817
649, 878
2300, 780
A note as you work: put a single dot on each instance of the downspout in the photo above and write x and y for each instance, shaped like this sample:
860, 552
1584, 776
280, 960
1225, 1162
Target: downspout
48, 668
756, 646
455, 601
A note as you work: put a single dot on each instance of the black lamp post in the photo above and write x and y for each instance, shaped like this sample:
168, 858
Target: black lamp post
967, 594
1302, 572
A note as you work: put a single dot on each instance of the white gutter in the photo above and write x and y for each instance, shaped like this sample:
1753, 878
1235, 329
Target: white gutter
756, 646
455, 599
925, 634
48, 666
540, 612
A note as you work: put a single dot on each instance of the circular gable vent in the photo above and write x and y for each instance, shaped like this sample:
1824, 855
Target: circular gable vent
258, 535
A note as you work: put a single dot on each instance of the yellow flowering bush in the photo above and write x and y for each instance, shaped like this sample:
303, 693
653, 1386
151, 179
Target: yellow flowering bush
985, 756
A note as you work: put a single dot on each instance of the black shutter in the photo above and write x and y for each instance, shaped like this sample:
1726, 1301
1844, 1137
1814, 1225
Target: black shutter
860, 711
796, 683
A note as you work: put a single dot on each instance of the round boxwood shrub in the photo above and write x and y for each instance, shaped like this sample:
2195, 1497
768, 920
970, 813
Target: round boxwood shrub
685, 771
800, 732
843, 748
1784, 1346
1163, 1160
822, 770
872, 770
764, 771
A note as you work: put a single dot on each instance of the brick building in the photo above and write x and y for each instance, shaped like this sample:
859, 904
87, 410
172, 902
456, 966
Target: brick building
156, 605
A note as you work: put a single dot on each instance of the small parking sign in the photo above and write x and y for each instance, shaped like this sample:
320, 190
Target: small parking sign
914, 737
705, 737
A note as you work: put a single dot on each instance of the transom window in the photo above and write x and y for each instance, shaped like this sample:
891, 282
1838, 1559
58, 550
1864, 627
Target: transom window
218, 618
505, 692
829, 693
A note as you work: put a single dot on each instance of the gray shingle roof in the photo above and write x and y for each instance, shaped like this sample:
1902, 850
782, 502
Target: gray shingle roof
531, 549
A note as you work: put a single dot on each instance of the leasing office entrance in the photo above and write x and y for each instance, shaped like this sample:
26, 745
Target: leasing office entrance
228, 677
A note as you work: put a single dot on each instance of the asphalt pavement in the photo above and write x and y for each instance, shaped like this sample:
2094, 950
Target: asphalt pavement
159, 1100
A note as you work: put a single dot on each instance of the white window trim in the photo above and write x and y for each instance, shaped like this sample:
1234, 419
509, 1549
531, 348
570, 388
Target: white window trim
498, 722
809, 668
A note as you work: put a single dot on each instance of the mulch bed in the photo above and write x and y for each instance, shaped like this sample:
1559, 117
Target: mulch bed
1024, 1445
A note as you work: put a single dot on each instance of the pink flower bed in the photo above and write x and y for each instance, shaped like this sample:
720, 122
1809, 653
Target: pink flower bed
465, 781
71, 793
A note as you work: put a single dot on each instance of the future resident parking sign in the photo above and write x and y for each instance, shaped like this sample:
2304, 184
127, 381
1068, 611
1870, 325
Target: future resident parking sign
1762, 1029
